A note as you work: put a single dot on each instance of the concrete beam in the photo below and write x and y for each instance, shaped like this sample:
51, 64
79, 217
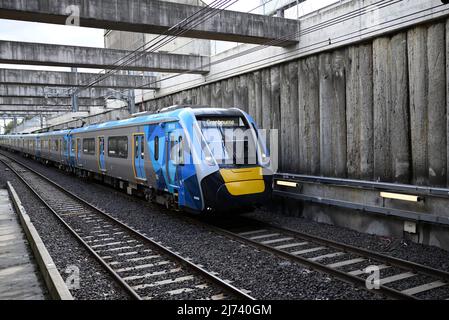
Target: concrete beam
49, 101
73, 79
27, 53
23, 114
155, 17
14, 91
32, 109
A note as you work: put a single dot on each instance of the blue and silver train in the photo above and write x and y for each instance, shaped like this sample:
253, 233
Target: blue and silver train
195, 159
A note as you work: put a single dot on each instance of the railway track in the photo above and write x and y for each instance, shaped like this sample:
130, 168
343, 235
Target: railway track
398, 279
144, 268
345, 262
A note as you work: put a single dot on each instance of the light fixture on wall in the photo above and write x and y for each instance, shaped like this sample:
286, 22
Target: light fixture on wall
402, 197
286, 184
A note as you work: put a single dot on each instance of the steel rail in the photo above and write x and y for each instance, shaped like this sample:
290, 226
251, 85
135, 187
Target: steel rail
213, 279
396, 262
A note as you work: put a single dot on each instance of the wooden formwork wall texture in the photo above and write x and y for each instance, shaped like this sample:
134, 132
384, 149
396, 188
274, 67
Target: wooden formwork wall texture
372, 111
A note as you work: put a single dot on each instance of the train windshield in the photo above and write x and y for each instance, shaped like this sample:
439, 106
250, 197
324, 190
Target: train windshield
230, 140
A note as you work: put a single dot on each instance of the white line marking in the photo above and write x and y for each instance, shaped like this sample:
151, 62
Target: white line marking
149, 275
362, 271
424, 287
276, 240
345, 263
291, 245
163, 283
144, 266
327, 256
397, 277
251, 232
265, 236
308, 251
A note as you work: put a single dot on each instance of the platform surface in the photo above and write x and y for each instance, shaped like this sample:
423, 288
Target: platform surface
19, 274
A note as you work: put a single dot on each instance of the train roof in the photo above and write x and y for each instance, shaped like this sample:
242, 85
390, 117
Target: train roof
162, 117
173, 114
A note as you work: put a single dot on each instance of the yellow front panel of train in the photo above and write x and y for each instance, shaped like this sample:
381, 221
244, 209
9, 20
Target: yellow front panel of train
245, 181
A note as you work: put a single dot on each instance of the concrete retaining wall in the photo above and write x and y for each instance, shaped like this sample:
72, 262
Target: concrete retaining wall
375, 110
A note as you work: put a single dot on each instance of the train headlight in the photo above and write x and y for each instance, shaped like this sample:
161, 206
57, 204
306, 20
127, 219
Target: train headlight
210, 161
265, 159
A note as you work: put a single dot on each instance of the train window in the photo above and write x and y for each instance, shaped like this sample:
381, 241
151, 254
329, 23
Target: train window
89, 146
72, 146
118, 147
156, 148
57, 145
64, 145
180, 151
173, 151
230, 140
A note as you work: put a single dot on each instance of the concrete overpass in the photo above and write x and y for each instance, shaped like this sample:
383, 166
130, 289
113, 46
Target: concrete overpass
29, 113
49, 102
74, 79
27, 110
155, 17
44, 92
26, 53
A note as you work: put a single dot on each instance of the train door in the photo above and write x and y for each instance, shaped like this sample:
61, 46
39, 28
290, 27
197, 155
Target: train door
139, 156
65, 150
38, 147
174, 149
101, 156
60, 150
72, 150
78, 151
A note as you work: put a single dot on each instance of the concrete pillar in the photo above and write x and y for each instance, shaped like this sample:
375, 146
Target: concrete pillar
258, 97
284, 152
241, 93
359, 112
228, 93
195, 92
131, 101
168, 101
75, 102
382, 102
275, 114
205, 92
294, 115
251, 96
436, 106
309, 116
417, 57
333, 144
187, 97
275, 97
447, 95
289, 117
399, 110
266, 100
176, 99
217, 96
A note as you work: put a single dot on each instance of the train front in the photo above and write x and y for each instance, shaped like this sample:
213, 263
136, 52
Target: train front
235, 171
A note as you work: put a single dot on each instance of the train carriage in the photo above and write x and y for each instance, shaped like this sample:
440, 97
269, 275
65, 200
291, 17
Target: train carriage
179, 157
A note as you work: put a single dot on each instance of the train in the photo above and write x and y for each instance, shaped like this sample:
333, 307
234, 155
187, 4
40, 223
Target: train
188, 158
